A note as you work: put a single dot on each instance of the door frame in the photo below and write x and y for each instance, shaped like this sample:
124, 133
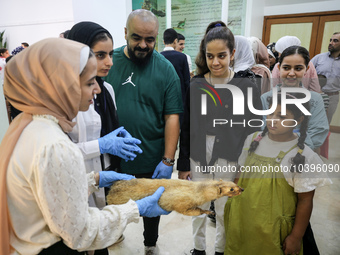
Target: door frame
317, 18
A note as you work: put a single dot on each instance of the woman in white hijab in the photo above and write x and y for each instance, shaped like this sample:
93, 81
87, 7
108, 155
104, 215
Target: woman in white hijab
244, 60
310, 80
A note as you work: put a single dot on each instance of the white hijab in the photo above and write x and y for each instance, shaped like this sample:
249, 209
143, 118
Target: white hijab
244, 57
285, 42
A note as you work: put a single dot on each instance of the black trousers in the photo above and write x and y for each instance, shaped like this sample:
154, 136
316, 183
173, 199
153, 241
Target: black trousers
59, 248
150, 224
309, 244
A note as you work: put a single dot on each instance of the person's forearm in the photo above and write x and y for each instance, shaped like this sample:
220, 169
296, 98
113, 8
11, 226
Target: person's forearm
303, 212
184, 175
171, 135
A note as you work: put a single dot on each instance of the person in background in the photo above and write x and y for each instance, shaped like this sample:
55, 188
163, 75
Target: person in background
293, 64
17, 50
310, 81
180, 47
97, 133
149, 101
178, 60
25, 45
4, 54
243, 59
325, 146
64, 34
328, 64
325, 97
50, 214
203, 145
261, 65
273, 55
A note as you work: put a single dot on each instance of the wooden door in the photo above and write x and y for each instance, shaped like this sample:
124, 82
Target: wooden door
313, 29
327, 26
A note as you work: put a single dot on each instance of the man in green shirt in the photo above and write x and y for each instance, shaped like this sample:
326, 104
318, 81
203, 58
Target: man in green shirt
148, 95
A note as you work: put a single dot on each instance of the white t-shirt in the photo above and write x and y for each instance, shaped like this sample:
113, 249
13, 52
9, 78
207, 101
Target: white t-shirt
301, 182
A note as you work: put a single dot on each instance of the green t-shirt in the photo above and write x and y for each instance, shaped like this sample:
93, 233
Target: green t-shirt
144, 94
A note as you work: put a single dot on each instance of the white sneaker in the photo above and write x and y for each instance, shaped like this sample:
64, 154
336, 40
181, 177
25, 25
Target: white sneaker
150, 250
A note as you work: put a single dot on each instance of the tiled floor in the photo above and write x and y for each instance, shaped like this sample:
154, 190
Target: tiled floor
175, 229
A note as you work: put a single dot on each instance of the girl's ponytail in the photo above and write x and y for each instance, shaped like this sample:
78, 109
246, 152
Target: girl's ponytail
257, 140
298, 160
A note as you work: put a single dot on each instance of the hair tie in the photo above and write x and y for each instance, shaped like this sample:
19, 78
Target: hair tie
258, 138
218, 25
300, 151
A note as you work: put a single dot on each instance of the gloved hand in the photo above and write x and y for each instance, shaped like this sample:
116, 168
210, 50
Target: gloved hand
122, 147
162, 171
125, 134
148, 206
106, 178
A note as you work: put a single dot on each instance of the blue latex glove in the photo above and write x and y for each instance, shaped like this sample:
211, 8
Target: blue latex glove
125, 134
148, 206
106, 178
162, 171
122, 147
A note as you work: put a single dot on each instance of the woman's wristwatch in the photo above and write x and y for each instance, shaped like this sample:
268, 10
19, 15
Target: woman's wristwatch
168, 161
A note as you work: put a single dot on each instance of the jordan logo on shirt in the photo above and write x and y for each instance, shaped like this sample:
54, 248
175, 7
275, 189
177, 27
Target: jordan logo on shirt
128, 80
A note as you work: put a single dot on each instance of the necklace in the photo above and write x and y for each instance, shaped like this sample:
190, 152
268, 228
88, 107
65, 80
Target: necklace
225, 81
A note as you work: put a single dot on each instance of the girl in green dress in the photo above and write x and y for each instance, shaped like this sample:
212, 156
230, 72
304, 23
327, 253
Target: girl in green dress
273, 212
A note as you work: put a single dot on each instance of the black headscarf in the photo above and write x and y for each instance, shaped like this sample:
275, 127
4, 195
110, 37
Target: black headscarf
85, 32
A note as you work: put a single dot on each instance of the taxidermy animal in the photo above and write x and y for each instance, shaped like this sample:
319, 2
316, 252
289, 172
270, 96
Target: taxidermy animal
179, 195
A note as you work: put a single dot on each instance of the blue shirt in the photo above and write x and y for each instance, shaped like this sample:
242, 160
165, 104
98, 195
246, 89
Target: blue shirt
328, 66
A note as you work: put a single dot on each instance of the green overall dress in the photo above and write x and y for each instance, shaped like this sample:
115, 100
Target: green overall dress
258, 221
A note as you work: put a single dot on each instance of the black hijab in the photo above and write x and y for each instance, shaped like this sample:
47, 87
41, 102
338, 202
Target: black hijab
85, 32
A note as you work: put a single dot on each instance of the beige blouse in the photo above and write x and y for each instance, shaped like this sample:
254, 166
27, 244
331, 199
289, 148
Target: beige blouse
47, 192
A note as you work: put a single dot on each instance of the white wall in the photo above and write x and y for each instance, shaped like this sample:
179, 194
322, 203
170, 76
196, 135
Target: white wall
31, 21
254, 18
257, 9
320, 6
111, 14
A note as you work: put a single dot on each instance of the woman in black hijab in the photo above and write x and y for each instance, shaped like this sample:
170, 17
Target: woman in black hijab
97, 132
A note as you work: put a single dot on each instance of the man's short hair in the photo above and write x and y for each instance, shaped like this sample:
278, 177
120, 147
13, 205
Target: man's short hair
169, 36
144, 15
180, 37
25, 44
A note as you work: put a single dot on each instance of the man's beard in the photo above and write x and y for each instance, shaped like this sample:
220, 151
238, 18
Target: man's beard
136, 60
332, 49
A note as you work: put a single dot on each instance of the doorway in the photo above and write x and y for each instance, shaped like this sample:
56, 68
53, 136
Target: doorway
313, 29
